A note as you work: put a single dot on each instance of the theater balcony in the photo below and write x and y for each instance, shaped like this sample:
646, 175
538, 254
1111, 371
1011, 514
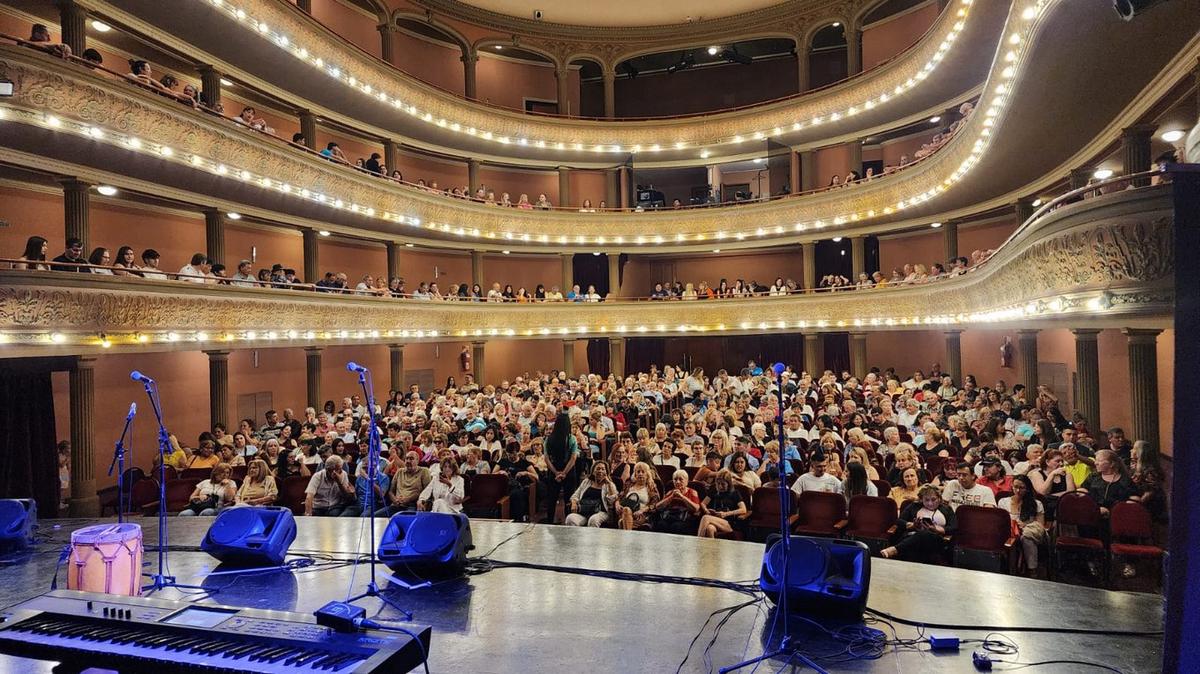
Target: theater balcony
1084, 260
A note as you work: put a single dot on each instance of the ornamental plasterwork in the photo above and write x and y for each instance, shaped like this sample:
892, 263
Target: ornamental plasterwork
45, 85
694, 131
1058, 264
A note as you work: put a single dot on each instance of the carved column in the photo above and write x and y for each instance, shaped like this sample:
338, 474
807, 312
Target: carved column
308, 129
610, 92
1027, 351
814, 355
1080, 176
393, 260
312, 373
477, 353
808, 171
858, 354
853, 50
391, 155
855, 147
469, 60
312, 256
396, 365
564, 186
473, 175
1023, 210
803, 55
950, 240
616, 357
568, 272
76, 210
83, 501
386, 51
1135, 151
218, 387
1087, 368
954, 355
1143, 382
477, 269
614, 273
809, 264
561, 93
858, 257
794, 172
214, 235
612, 188
625, 186
72, 20
210, 85
569, 357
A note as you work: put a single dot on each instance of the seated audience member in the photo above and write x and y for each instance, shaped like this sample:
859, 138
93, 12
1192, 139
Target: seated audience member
1033, 460
34, 255
212, 495
724, 507
205, 455
334, 152
446, 492
39, 36
857, 483
816, 479
259, 488
666, 455
592, 503
1110, 484
908, 489
1079, 467
362, 484
329, 492
72, 258
1147, 476
678, 511
712, 466
965, 491
406, 487
230, 456
994, 477
1028, 517
922, 527
949, 473
149, 268
139, 71
906, 457
474, 465
633, 507
521, 474
739, 467
244, 278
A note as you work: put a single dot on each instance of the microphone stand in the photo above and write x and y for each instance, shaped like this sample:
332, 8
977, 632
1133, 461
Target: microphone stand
119, 462
786, 646
373, 452
160, 580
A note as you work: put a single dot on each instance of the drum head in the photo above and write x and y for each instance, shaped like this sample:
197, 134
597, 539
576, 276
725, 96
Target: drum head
432, 533
106, 533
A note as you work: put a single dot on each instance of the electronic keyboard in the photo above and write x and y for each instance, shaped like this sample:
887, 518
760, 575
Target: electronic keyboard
146, 634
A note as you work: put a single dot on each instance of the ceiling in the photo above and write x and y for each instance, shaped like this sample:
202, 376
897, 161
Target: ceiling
621, 13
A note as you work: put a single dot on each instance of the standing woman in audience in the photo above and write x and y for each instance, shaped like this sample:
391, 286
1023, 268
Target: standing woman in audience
561, 451
640, 492
1028, 517
35, 253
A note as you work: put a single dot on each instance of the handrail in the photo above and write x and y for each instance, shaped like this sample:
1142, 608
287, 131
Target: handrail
204, 109
1073, 195
558, 115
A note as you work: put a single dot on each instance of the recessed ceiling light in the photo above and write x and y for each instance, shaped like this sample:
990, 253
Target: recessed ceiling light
837, 24
499, 47
935, 119
759, 160
1037, 202
408, 245
234, 216
324, 232
712, 51
101, 27
226, 83
505, 252
837, 239
1102, 174
935, 225
107, 190
1172, 136
716, 250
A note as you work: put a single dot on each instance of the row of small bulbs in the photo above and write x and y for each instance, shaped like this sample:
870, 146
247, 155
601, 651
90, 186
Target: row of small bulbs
343, 76
1036, 309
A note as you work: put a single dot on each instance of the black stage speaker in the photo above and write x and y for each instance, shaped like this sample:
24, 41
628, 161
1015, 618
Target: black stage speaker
826, 577
251, 536
427, 541
18, 517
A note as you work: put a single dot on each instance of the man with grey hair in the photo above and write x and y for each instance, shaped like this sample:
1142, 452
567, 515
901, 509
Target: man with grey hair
244, 278
329, 492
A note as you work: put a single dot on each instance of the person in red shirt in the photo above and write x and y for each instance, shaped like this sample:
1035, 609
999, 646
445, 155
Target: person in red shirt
994, 477
678, 511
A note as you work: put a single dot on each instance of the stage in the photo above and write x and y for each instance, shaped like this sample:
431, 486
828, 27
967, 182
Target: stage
531, 620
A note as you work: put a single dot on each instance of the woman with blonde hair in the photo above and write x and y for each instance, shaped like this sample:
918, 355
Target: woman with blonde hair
640, 493
259, 489
860, 455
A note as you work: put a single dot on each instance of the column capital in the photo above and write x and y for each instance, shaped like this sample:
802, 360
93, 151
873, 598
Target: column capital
217, 355
314, 350
1085, 334
954, 332
72, 183
85, 362
608, 72
858, 335
1027, 333
1139, 130
1142, 335
396, 347
386, 28
470, 56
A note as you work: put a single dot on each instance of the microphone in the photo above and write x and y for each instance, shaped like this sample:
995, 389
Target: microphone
139, 377
132, 411
355, 367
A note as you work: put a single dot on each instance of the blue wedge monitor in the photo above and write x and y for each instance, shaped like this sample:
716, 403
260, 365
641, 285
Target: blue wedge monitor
253, 536
18, 517
427, 541
826, 577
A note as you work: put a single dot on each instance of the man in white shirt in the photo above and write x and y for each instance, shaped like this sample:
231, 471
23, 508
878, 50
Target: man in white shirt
244, 278
816, 479
964, 490
149, 268
197, 270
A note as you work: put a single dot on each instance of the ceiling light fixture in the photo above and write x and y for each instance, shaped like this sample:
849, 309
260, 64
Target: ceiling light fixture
712, 51
1172, 135
1037, 202
226, 83
234, 216
1102, 174
935, 119
324, 232
107, 190
101, 27
935, 225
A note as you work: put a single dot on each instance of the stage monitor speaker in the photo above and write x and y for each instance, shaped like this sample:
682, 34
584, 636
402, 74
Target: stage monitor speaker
426, 541
251, 536
18, 517
827, 578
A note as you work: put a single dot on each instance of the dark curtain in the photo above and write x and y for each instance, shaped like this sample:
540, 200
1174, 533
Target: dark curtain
642, 352
28, 459
597, 357
837, 351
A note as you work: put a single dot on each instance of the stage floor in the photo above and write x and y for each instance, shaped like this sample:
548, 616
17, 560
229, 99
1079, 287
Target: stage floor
522, 620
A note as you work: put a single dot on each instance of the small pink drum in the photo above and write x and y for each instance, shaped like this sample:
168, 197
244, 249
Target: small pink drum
106, 558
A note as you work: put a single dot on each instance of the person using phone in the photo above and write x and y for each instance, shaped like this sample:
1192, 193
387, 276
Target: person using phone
923, 526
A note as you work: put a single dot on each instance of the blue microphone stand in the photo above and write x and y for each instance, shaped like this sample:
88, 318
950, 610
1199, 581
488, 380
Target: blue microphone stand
119, 462
160, 580
787, 648
374, 449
